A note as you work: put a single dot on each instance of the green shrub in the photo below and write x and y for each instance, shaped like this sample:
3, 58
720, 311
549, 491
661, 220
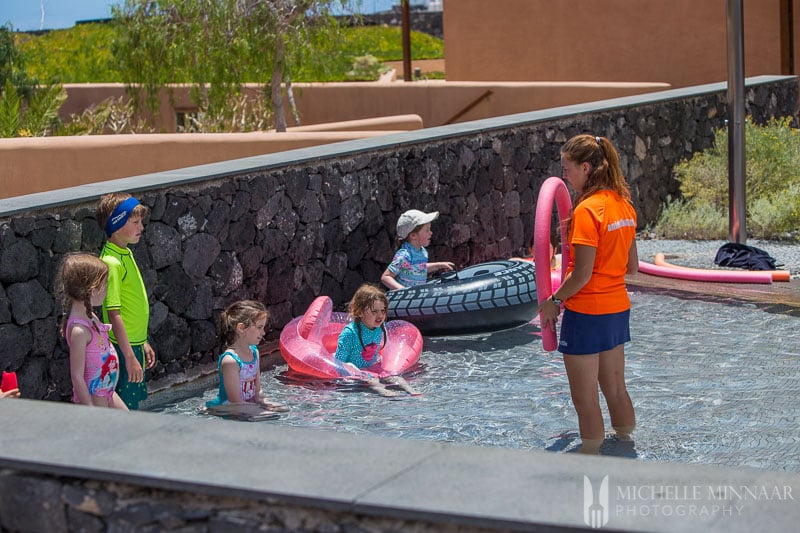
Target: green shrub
386, 43
82, 54
772, 162
36, 117
688, 219
12, 65
367, 67
112, 115
776, 216
241, 115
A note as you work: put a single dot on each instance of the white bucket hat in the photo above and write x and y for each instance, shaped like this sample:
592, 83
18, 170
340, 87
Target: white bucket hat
411, 219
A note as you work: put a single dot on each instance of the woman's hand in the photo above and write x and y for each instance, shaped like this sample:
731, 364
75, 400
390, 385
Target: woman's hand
549, 311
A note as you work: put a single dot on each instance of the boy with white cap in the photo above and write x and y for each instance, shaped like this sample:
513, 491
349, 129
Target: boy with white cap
410, 265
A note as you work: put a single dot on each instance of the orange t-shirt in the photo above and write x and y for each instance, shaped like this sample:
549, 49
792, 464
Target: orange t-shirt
607, 222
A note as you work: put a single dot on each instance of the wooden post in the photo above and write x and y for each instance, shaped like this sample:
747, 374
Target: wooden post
737, 227
406, 41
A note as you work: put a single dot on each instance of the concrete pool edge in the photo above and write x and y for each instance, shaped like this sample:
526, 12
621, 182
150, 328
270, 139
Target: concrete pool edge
399, 479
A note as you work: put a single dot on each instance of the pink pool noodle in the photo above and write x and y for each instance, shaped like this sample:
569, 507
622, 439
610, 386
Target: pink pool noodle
777, 275
699, 274
552, 190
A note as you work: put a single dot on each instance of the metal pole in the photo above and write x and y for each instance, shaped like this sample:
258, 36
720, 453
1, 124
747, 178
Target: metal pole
406, 41
737, 231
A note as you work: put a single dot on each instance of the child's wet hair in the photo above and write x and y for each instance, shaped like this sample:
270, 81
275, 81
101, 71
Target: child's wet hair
79, 275
246, 312
364, 298
109, 202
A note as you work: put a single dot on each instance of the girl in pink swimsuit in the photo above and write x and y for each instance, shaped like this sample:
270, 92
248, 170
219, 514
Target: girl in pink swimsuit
93, 362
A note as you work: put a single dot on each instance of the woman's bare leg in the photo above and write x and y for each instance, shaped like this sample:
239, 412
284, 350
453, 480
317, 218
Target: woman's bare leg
582, 372
612, 382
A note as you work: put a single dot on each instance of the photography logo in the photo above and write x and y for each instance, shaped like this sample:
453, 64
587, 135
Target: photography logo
595, 503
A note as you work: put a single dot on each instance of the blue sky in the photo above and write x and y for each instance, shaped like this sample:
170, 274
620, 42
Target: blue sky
26, 15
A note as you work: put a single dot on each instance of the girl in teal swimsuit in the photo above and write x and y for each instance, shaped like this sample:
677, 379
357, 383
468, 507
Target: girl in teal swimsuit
361, 341
241, 328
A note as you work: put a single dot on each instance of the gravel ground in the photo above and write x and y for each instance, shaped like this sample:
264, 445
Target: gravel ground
700, 254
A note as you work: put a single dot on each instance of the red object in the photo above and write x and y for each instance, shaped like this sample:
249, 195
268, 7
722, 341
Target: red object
9, 381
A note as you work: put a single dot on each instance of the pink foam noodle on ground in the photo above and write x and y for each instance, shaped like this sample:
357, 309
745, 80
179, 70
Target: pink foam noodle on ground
777, 275
700, 274
308, 344
552, 191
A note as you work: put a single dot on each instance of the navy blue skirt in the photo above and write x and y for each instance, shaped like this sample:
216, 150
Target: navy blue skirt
583, 334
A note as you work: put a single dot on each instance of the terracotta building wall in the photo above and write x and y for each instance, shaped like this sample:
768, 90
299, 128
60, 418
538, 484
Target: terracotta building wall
680, 42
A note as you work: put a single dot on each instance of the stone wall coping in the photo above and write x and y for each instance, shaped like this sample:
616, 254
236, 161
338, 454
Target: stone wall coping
396, 478
189, 175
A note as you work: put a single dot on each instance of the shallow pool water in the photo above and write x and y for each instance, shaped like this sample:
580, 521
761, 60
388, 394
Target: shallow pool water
712, 382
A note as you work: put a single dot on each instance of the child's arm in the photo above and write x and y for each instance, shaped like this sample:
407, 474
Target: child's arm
258, 397
390, 280
260, 400
78, 339
445, 266
230, 379
13, 393
132, 365
266, 404
347, 352
149, 355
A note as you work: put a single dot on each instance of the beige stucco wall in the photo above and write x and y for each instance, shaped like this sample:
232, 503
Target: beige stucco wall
29, 165
439, 102
436, 102
681, 42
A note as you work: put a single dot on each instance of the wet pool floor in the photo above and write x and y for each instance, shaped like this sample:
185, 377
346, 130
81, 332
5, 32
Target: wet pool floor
712, 383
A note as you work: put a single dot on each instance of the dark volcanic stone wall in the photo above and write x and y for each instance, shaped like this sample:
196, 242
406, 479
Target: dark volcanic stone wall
296, 229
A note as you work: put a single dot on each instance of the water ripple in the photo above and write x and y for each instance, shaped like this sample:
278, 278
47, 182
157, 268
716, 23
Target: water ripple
712, 383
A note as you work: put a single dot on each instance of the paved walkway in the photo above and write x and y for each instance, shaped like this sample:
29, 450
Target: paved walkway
355, 476
781, 297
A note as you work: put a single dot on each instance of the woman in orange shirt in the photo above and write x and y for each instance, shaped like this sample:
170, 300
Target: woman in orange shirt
595, 327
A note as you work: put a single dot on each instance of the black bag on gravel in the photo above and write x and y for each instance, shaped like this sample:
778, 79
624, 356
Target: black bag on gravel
740, 255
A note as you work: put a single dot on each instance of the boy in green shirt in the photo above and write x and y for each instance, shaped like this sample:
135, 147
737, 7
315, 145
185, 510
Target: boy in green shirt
125, 306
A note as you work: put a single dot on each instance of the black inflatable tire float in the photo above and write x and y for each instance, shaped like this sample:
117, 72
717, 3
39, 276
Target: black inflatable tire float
483, 297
